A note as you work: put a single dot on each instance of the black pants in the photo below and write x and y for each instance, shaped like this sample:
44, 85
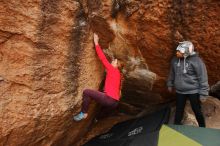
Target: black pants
195, 104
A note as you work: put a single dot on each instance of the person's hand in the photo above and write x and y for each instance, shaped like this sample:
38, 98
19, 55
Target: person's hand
203, 98
170, 89
96, 39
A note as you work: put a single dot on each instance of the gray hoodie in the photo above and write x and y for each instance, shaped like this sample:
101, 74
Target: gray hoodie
188, 75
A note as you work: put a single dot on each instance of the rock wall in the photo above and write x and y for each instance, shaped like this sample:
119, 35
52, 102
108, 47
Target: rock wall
45, 64
47, 58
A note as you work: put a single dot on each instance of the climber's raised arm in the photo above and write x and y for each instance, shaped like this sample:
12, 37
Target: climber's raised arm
100, 53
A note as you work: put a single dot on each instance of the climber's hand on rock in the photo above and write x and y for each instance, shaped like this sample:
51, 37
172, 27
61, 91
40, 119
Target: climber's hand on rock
96, 39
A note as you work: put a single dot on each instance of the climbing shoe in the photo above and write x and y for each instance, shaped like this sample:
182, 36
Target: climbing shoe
79, 116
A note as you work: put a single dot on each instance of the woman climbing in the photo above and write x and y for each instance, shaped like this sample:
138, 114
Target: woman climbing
111, 94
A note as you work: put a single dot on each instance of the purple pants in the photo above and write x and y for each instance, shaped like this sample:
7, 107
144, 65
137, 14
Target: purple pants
99, 97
